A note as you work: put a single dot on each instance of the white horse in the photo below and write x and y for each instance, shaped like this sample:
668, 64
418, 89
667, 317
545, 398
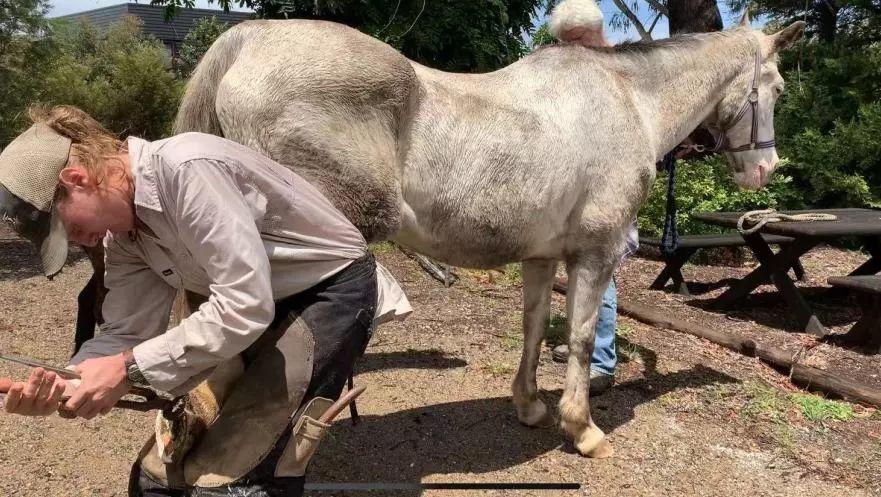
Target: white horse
543, 161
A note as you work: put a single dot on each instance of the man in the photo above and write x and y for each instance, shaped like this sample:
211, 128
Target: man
291, 291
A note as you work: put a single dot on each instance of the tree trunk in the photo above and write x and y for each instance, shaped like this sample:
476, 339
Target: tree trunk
827, 16
693, 16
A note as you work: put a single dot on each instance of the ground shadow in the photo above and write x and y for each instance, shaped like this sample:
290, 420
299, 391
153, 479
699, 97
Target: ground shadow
476, 436
769, 308
409, 359
20, 259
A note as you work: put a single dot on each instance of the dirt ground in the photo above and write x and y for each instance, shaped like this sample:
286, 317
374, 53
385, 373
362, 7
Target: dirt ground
686, 417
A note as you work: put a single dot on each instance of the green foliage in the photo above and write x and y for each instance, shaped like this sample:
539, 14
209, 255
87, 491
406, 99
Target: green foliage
382, 247
817, 409
558, 331
542, 36
453, 35
24, 54
120, 77
196, 43
708, 185
829, 121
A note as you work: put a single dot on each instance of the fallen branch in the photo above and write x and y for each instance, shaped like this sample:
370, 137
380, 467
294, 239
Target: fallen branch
808, 376
436, 270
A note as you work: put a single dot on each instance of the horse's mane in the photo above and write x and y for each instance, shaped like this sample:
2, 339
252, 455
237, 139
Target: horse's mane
677, 42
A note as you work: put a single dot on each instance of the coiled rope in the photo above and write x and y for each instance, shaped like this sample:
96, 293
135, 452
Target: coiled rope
762, 217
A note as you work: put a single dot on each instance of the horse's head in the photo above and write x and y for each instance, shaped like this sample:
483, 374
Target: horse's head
743, 120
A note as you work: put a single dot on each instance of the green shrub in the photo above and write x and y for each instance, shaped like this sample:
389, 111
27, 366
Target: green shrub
121, 77
708, 185
196, 43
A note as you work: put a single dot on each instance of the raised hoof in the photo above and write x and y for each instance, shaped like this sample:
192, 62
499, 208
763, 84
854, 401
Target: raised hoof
536, 415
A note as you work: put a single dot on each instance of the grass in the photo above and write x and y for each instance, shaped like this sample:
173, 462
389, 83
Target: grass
514, 273
512, 340
762, 402
499, 368
817, 409
558, 331
382, 247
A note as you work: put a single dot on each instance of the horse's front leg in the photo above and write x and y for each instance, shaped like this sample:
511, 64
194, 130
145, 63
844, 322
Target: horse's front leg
588, 278
538, 279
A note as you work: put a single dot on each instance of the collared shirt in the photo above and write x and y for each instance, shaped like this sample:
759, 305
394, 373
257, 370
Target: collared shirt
219, 219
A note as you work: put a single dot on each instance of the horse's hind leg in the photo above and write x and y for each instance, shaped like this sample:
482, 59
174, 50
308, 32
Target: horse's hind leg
538, 279
588, 278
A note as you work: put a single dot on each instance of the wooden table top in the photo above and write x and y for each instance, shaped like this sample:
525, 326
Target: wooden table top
850, 222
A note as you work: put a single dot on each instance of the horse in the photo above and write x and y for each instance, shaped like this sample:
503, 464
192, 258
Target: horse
543, 161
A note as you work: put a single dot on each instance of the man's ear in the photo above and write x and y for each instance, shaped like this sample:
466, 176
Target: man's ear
72, 177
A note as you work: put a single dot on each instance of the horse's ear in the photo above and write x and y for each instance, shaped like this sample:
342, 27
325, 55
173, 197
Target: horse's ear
787, 36
744, 21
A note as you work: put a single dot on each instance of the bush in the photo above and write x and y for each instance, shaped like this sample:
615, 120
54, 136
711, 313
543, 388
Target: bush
708, 185
121, 78
828, 124
196, 43
25, 52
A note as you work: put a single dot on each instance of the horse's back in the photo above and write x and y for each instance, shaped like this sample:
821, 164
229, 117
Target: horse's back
327, 101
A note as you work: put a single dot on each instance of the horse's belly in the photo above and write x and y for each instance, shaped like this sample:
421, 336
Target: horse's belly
477, 236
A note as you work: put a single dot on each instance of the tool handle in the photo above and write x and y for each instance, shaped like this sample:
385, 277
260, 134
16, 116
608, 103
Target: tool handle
337, 407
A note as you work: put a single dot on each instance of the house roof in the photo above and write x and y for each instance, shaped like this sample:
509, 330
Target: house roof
153, 17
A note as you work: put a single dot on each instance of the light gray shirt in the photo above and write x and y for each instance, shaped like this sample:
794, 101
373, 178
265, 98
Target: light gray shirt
221, 220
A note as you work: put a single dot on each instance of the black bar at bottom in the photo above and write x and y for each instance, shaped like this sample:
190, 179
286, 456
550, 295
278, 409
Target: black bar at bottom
378, 486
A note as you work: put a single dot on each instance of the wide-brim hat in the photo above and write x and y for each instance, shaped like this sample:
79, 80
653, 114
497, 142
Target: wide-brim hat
29, 169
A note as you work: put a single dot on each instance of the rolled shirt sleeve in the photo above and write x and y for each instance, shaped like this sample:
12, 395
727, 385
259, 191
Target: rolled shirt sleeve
219, 230
136, 307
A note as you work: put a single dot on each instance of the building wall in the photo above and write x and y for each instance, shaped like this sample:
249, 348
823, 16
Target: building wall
170, 33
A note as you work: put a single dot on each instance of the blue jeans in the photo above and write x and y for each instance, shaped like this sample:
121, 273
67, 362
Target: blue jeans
605, 358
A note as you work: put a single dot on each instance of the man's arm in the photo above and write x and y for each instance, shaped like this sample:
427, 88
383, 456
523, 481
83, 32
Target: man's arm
218, 228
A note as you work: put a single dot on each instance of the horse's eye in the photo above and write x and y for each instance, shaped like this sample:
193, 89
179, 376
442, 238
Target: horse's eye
778, 90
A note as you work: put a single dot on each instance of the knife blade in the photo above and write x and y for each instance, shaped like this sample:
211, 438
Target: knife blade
27, 361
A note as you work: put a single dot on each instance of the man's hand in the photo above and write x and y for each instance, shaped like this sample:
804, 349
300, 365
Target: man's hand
39, 396
103, 384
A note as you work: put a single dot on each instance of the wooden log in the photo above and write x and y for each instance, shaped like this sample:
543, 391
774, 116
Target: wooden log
801, 374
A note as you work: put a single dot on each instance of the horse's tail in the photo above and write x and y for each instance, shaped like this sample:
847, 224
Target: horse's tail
197, 110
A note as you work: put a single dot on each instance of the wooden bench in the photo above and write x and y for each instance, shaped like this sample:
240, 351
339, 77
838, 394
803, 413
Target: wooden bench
868, 291
689, 244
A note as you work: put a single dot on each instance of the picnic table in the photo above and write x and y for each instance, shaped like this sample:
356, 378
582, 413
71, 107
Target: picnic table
864, 224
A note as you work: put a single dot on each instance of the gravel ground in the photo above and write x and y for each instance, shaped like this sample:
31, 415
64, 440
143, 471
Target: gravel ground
686, 417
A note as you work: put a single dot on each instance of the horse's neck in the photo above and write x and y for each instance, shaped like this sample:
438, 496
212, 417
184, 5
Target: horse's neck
678, 88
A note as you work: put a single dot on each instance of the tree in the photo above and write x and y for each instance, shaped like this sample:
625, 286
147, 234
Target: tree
684, 16
24, 53
859, 21
196, 43
453, 35
120, 77
693, 16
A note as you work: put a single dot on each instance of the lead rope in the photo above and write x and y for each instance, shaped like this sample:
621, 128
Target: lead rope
762, 217
670, 238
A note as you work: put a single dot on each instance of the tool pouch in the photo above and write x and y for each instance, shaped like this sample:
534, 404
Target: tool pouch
307, 434
253, 418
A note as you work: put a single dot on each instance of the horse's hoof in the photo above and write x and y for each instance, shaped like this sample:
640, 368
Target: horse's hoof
601, 451
535, 414
590, 441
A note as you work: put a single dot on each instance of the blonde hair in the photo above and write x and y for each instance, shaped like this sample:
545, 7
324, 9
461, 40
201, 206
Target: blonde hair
91, 143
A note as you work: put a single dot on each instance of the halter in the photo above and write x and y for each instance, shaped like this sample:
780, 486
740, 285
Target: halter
752, 105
